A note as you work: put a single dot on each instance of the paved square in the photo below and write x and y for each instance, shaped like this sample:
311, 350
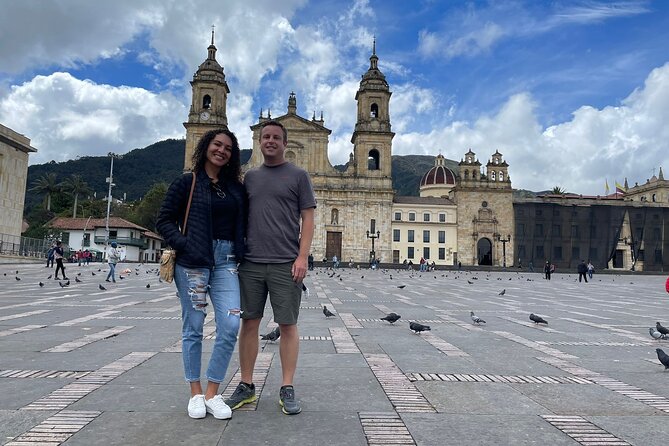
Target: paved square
84, 366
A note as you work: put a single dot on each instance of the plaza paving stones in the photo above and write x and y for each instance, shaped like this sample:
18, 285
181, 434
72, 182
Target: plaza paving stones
71, 374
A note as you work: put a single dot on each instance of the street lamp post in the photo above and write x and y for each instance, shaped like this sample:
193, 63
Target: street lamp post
504, 242
372, 254
109, 193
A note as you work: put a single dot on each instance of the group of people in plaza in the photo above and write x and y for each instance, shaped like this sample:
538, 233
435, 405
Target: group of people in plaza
242, 241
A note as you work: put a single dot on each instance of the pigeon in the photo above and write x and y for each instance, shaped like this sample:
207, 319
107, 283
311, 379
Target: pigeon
50, 276
537, 319
17, 271
148, 285
78, 274
391, 317
62, 285
417, 328
655, 334
470, 282
400, 286
17, 278
121, 277
272, 335
101, 287
663, 357
92, 273
661, 329
67, 283
76, 279
41, 284
503, 292
327, 312
475, 318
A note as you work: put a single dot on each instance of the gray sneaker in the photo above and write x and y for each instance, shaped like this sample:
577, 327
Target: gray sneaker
243, 394
287, 401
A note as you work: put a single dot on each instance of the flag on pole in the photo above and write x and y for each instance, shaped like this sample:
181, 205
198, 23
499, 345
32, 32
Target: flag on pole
607, 186
619, 188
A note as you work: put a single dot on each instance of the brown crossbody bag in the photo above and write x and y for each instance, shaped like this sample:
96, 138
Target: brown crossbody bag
169, 256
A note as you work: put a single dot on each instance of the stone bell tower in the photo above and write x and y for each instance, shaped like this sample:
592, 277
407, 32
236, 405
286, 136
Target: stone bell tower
372, 137
208, 106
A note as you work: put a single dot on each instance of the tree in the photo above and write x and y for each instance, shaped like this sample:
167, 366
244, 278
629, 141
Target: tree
557, 190
146, 211
76, 186
48, 185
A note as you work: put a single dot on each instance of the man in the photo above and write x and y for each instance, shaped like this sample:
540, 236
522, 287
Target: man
582, 270
280, 196
113, 257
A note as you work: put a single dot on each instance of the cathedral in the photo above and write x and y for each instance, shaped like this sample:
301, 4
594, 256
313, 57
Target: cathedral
469, 217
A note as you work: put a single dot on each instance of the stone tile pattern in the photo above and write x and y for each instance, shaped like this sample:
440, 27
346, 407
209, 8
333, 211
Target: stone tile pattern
59, 399
56, 429
583, 431
401, 392
385, 428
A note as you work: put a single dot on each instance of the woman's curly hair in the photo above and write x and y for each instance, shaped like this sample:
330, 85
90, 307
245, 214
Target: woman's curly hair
232, 170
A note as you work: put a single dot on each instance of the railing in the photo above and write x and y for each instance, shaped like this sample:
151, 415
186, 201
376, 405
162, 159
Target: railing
23, 246
131, 241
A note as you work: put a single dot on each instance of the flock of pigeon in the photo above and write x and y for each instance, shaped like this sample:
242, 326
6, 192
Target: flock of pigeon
66, 282
658, 333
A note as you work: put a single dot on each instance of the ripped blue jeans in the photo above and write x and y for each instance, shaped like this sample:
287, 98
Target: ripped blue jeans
221, 284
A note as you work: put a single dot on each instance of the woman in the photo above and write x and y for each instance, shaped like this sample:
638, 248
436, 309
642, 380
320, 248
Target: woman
58, 255
207, 258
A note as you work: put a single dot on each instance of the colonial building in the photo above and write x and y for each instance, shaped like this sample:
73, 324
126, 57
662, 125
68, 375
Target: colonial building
426, 226
14, 151
469, 216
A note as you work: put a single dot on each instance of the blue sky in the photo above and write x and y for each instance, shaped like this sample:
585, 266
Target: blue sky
572, 92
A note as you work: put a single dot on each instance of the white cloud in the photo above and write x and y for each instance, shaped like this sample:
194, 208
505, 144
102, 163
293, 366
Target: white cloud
615, 142
40, 34
66, 117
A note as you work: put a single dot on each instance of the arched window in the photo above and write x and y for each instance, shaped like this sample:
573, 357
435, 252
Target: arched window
501, 176
466, 174
206, 101
373, 160
492, 175
374, 111
473, 174
290, 156
653, 198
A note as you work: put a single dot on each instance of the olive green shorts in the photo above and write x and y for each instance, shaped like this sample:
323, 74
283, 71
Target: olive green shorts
285, 295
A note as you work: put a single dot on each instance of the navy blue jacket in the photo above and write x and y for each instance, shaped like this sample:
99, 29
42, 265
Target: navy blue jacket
195, 250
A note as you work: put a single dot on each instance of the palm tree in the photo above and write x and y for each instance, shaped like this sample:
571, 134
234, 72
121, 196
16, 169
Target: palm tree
48, 185
557, 190
76, 186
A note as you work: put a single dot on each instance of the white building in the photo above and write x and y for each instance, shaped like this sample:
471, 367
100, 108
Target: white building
137, 243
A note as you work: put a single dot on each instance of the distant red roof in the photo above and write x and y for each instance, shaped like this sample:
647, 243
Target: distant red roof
80, 223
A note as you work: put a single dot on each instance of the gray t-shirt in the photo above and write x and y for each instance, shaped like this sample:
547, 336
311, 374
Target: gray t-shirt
277, 195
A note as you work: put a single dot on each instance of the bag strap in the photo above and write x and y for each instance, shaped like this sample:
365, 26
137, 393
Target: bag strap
190, 199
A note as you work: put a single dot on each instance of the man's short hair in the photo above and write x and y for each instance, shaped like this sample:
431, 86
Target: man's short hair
277, 124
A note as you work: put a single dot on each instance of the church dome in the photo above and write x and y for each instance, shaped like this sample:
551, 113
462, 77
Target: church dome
438, 175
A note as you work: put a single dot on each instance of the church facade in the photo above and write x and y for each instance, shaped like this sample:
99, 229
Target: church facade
468, 217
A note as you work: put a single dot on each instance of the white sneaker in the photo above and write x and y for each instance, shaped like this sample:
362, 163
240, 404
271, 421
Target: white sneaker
217, 407
196, 407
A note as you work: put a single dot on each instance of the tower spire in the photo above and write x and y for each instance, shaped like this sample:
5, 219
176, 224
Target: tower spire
212, 34
373, 59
